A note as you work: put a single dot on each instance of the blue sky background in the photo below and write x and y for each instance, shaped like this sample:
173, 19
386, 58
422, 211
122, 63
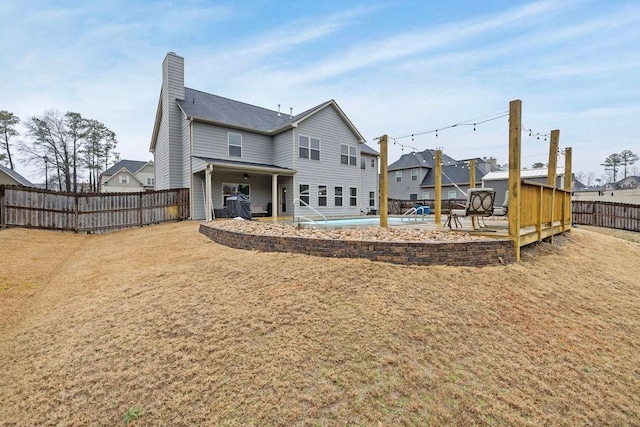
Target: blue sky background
397, 67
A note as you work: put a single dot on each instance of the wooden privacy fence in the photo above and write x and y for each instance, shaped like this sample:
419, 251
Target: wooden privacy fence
90, 212
622, 216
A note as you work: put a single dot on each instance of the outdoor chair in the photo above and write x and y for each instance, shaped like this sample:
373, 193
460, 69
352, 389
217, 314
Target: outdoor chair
502, 210
479, 205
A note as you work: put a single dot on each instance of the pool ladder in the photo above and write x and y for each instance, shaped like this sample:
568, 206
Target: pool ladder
302, 202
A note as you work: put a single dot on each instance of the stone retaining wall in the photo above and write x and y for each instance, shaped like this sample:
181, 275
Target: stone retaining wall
476, 253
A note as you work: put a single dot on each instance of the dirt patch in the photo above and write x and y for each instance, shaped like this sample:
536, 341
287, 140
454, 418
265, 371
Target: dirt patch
195, 333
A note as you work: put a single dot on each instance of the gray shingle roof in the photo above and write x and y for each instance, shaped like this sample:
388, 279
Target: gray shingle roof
217, 109
15, 175
364, 148
424, 159
458, 174
132, 166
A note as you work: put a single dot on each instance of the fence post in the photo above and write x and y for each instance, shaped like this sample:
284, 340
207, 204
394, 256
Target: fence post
76, 226
140, 209
3, 210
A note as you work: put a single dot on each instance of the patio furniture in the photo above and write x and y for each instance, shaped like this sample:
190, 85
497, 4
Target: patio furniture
479, 205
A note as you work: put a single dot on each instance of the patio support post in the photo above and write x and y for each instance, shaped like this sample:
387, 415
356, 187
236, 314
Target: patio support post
438, 184
274, 196
515, 141
554, 143
568, 185
208, 205
384, 186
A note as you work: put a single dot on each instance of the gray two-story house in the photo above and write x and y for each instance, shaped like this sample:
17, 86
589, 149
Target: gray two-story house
412, 176
315, 161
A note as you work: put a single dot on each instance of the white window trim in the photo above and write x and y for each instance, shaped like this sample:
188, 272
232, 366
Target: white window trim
415, 174
229, 145
309, 147
124, 179
349, 155
398, 175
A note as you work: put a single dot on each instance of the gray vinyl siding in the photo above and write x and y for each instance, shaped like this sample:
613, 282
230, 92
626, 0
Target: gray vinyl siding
186, 155
332, 131
369, 182
212, 141
402, 190
283, 149
169, 163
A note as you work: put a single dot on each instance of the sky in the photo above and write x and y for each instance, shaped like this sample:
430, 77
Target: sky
396, 67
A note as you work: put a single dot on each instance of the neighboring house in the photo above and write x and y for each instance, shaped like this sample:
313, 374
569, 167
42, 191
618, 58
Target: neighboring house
128, 176
499, 180
412, 177
215, 146
11, 177
629, 182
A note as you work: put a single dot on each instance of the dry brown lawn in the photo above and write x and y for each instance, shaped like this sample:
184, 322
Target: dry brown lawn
163, 320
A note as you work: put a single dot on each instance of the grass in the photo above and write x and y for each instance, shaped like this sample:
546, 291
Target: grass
200, 334
132, 414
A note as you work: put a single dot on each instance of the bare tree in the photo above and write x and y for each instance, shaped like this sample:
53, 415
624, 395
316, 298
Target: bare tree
8, 122
100, 142
591, 177
612, 164
628, 158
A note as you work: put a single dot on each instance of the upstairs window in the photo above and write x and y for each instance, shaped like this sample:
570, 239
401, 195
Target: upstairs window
235, 144
414, 174
398, 176
124, 179
150, 181
308, 148
348, 155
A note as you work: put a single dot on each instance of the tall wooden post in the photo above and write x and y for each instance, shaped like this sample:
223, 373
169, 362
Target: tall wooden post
472, 174
553, 158
438, 177
384, 182
515, 141
568, 174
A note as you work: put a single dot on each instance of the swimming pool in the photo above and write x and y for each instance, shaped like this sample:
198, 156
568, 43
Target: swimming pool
362, 221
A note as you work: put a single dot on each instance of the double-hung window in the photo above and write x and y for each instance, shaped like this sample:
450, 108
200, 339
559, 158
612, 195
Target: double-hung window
414, 174
353, 196
308, 148
348, 155
124, 179
398, 176
338, 196
304, 194
235, 144
372, 198
322, 195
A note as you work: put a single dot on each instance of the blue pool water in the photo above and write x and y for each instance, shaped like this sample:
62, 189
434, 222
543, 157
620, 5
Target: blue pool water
368, 221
